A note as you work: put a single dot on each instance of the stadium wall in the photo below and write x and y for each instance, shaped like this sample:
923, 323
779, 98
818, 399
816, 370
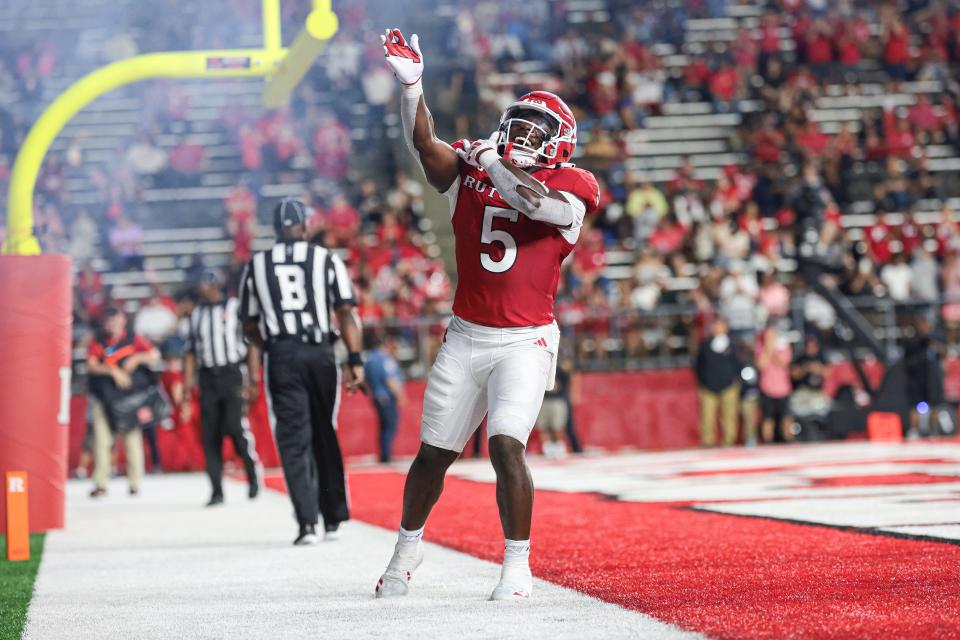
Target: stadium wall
639, 409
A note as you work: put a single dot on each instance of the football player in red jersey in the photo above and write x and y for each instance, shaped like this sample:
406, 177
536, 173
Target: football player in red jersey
516, 205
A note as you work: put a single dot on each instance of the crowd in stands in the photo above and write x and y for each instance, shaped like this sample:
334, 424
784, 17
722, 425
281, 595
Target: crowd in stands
374, 216
699, 247
733, 235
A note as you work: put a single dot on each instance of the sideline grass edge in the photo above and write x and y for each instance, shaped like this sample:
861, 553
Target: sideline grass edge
16, 587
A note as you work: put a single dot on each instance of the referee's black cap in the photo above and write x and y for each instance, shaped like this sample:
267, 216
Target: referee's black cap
289, 212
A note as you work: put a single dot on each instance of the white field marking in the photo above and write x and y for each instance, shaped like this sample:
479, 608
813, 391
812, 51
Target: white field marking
944, 531
162, 566
865, 512
780, 482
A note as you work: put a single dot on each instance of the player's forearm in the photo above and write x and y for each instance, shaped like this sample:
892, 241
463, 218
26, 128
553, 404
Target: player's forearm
251, 332
438, 160
531, 197
350, 328
417, 123
144, 358
189, 374
99, 368
253, 364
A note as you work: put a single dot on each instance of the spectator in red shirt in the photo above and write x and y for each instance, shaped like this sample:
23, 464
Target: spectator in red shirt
667, 237
342, 222
369, 310
331, 147
849, 51
924, 117
723, 88
187, 162
770, 34
597, 321
812, 142
590, 257
250, 143
844, 144
901, 141
91, 293
896, 49
879, 237
684, 179
798, 31
113, 360
768, 143
745, 51
241, 205
695, 77
819, 40
804, 81
911, 233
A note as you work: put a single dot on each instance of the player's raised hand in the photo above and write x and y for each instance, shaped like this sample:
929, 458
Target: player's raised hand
479, 153
404, 59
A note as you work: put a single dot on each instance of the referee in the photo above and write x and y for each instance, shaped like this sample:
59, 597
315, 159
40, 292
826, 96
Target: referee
214, 356
287, 294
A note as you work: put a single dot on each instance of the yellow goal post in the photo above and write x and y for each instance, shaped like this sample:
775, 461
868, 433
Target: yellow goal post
283, 69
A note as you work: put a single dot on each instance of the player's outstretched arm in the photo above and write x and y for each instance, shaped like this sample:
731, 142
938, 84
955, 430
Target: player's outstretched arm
522, 191
439, 161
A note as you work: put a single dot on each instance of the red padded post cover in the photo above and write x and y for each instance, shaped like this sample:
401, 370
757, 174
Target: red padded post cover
35, 321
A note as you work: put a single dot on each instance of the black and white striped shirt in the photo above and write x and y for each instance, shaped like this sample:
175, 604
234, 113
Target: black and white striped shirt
216, 337
291, 289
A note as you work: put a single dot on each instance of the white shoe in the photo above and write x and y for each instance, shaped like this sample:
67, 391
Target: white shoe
554, 450
516, 583
331, 533
307, 537
395, 581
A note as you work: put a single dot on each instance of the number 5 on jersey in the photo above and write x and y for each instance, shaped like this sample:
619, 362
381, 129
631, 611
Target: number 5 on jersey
489, 235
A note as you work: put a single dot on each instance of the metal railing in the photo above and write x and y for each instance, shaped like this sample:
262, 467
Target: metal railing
665, 337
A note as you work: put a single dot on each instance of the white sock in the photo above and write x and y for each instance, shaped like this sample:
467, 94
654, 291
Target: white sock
516, 552
408, 540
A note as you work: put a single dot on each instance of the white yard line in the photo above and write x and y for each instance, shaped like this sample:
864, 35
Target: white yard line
161, 566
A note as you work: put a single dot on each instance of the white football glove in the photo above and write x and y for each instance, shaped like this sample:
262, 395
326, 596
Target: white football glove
479, 153
404, 59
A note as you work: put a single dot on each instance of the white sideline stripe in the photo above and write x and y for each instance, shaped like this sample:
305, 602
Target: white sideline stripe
162, 566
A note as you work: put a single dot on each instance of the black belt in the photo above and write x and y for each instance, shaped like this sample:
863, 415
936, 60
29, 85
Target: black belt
306, 338
221, 369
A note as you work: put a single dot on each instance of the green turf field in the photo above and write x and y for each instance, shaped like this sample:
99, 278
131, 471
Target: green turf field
16, 587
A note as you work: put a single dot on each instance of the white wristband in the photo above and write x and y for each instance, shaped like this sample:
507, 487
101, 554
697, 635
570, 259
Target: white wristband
415, 89
409, 102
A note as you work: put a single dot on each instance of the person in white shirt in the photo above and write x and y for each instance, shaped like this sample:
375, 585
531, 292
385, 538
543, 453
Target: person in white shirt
897, 277
155, 320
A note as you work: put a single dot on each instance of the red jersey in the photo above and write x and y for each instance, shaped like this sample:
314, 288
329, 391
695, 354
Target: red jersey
114, 352
509, 265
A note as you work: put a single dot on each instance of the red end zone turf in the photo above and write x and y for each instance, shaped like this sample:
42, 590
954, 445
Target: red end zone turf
725, 576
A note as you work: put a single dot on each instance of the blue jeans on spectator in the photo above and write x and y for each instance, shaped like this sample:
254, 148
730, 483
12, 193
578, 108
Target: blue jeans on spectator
388, 415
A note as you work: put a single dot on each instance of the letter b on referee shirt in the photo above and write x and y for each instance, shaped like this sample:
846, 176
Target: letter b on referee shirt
293, 287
